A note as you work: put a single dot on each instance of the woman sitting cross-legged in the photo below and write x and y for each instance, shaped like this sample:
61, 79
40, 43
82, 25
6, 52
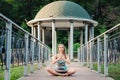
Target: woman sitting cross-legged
61, 59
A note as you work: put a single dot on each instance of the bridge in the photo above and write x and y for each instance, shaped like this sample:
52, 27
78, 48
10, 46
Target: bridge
19, 48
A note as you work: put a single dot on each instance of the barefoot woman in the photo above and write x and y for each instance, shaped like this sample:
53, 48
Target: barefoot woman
61, 59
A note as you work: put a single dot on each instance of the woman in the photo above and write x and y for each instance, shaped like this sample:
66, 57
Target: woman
61, 59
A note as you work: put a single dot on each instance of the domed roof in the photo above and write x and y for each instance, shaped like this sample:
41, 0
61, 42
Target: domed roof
62, 9
62, 12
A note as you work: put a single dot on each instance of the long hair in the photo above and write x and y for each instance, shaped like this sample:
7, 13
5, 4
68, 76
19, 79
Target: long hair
64, 51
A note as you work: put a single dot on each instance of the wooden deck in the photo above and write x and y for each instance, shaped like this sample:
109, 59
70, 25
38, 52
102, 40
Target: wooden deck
82, 73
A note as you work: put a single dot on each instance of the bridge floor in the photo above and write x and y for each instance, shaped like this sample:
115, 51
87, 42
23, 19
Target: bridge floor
82, 73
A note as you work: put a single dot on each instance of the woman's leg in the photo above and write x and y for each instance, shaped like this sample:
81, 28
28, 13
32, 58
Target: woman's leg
53, 72
71, 71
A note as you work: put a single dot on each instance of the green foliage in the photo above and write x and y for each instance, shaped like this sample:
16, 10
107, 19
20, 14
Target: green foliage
76, 46
102, 28
106, 12
1, 74
24, 26
62, 37
114, 70
16, 72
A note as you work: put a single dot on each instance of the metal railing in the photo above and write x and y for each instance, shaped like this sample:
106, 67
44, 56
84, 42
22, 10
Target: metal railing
101, 50
19, 47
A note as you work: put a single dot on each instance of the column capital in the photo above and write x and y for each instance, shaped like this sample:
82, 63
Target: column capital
86, 22
91, 25
39, 23
71, 21
44, 28
53, 21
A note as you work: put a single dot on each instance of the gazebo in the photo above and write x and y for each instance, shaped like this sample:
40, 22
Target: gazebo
63, 15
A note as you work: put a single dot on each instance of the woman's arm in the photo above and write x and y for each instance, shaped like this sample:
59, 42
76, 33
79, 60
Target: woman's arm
55, 59
67, 60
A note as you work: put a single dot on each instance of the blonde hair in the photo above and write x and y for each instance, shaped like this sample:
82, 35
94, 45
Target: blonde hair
64, 52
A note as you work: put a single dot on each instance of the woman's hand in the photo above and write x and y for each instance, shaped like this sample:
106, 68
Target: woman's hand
60, 57
67, 60
55, 59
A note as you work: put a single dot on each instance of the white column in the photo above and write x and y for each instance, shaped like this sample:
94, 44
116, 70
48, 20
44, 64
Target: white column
43, 35
55, 41
34, 31
92, 32
69, 43
39, 38
53, 37
81, 43
71, 40
86, 39
86, 33
39, 31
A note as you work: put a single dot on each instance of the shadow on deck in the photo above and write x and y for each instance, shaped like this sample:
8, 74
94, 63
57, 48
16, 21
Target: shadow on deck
82, 73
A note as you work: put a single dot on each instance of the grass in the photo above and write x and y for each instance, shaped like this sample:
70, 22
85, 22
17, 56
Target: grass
16, 72
114, 70
1, 74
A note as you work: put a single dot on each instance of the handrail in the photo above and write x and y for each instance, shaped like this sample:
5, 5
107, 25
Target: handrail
95, 48
17, 26
108, 31
29, 47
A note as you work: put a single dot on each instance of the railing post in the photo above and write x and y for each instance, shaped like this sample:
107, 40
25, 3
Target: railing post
49, 54
86, 44
38, 55
81, 43
79, 55
91, 55
83, 54
32, 51
81, 51
105, 55
26, 55
91, 46
98, 56
8, 50
42, 53
45, 53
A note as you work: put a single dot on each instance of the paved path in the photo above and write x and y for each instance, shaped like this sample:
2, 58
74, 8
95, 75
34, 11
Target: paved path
82, 73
